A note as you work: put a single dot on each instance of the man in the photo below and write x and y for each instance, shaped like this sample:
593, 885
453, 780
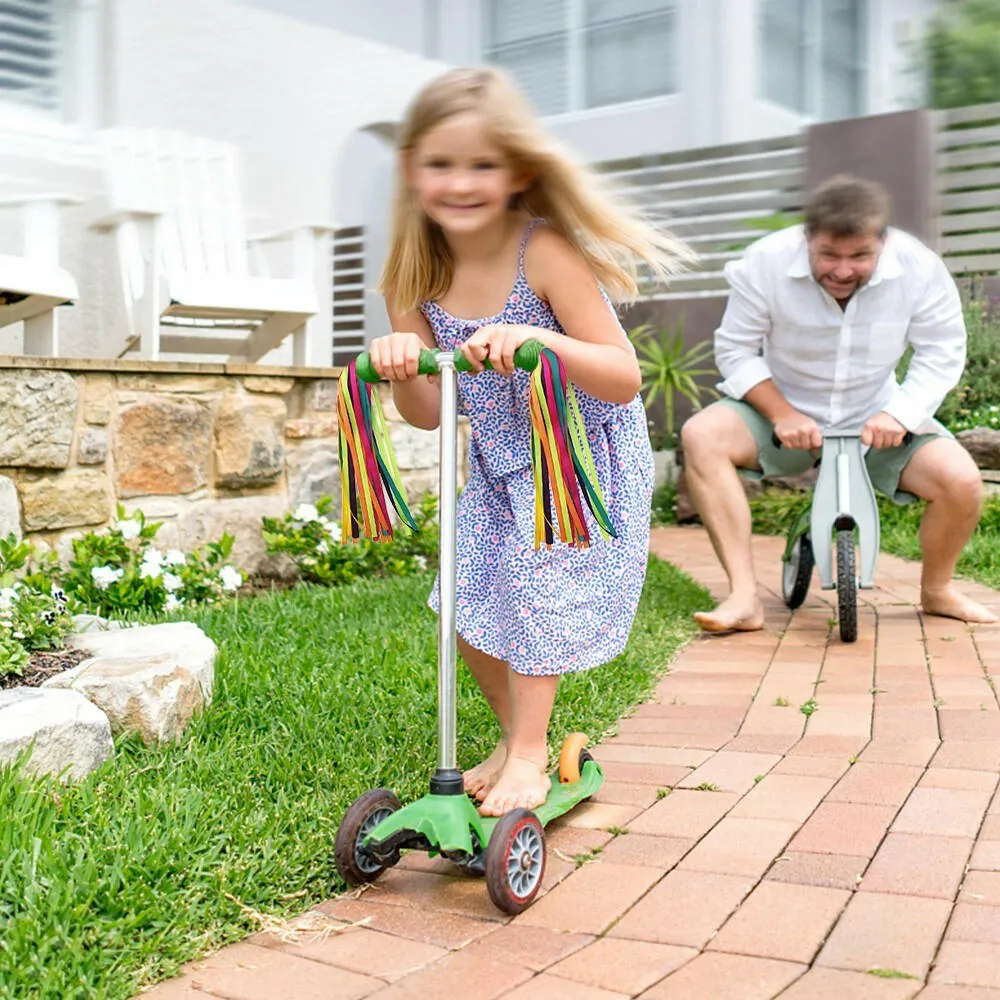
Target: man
817, 320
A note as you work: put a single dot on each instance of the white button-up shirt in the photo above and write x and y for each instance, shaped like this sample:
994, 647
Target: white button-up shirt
838, 366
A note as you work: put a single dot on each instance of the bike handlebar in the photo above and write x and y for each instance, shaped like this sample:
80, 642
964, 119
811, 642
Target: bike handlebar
776, 441
525, 357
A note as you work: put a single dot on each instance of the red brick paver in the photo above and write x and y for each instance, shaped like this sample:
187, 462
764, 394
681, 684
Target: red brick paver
740, 849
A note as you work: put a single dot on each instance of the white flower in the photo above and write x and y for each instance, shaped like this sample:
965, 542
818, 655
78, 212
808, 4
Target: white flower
8, 595
152, 564
323, 548
175, 557
305, 512
333, 530
172, 582
104, 576
174, 602
421, 561
231, 579
129, 529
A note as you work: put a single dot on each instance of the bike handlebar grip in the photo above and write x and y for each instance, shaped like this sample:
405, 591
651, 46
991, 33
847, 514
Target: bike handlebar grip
427, 365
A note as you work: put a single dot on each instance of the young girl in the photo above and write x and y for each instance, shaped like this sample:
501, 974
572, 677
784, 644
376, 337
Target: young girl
499, 238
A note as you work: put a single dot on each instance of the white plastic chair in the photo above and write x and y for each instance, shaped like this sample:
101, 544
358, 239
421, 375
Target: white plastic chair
183, 250
32, 284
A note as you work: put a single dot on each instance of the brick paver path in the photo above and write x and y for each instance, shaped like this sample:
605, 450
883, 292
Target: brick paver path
850, 853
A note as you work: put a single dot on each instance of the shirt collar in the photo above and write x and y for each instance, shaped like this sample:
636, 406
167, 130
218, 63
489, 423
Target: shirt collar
888, 265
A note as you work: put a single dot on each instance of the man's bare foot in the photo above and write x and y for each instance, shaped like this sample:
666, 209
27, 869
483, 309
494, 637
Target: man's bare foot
735, 614
949, 603
481, 778
522, 783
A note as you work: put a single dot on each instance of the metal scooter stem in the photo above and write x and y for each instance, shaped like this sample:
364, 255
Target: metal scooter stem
447, 492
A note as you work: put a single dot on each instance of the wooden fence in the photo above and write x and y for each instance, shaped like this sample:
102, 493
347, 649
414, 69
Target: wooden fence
717, 199
968, 172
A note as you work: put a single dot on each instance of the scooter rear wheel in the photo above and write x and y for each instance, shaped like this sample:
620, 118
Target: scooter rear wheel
572, 757
365, 813
515, 861
847, 585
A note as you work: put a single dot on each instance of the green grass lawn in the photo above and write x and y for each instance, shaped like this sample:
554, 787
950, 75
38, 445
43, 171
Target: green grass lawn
320, 695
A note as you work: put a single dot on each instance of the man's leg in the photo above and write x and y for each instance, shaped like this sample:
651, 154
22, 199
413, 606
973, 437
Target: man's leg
717, 441
943, 473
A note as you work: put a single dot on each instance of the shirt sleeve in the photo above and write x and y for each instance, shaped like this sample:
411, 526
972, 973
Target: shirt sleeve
739, 341
937, 334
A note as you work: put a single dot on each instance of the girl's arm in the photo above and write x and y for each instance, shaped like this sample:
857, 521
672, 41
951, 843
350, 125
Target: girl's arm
417, 398
598, 356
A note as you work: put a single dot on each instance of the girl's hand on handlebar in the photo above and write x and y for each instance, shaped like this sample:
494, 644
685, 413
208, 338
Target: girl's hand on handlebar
496, 343
396, 356
883, 431
796, 430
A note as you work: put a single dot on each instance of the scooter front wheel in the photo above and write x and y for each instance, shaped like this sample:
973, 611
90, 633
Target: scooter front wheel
354, 864
515, 861
796, 573
847, 585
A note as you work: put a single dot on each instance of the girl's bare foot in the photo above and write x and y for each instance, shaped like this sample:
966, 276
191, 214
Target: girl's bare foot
735, 614
481, 778
523, 783
949, 603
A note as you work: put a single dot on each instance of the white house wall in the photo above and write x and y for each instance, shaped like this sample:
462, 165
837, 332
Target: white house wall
287, 92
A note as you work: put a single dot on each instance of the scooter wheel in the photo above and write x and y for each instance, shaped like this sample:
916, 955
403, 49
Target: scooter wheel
572, 757
797, 573
515, 861
353, 863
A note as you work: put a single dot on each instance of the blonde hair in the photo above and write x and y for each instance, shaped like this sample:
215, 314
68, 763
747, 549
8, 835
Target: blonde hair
573, 200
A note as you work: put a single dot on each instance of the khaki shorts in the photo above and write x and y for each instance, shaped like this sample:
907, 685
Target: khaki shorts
885, 465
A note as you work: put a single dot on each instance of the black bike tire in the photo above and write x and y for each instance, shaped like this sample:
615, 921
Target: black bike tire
847, 585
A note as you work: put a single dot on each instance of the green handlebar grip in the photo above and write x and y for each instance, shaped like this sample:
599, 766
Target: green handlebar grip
526, 357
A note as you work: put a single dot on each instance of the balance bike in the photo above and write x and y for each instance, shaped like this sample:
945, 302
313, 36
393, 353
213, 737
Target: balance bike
510, 850
843, 502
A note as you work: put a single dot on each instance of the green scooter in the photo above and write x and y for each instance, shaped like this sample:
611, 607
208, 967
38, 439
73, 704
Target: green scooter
508, 850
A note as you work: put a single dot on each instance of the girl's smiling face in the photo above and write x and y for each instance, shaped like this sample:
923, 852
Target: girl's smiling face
461, 177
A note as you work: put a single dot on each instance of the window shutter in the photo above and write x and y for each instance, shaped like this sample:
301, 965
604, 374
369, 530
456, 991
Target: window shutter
29, 52
630, 50
529, 39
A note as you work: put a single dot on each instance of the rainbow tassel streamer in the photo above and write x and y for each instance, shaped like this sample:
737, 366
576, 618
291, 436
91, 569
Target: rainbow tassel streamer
561, 460
367, 464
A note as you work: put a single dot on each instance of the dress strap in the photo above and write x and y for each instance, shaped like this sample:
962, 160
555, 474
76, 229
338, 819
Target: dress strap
524, 245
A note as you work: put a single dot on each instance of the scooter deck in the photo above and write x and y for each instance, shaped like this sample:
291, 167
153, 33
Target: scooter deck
448, 823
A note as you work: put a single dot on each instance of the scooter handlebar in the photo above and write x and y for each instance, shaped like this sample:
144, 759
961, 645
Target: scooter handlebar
525, 357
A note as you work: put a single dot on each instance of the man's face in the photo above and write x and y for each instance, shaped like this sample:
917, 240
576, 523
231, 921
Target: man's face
842, 264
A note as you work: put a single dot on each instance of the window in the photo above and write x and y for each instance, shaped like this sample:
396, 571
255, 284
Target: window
574, 54
812, 56
30, 53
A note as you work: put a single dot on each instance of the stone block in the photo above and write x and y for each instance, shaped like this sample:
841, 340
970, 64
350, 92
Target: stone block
312, 427
414, 448
163, 446
983, 444
92, 446
67, 735
10, 509
152, 680
321, 395
185, 385
98, 399
268, 383
313, 469
67, 500
37, 417
240, 517
249, 450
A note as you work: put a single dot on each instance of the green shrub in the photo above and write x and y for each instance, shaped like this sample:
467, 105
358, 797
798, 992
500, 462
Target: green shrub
314, 543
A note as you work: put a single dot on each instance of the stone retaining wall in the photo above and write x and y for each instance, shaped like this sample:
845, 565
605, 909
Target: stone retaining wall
204, 448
